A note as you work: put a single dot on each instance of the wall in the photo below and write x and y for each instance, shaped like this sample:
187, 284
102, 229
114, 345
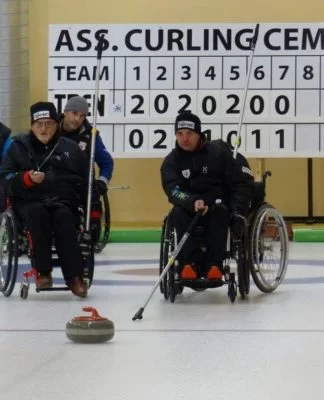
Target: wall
144, 203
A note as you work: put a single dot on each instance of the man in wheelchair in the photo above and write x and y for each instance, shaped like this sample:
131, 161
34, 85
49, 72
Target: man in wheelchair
46, 181
74, 125
200, 175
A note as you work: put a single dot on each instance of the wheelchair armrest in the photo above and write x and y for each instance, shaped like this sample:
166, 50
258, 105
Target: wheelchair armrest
238, 224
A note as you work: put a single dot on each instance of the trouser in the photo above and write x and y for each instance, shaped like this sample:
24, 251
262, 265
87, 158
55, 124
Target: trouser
215, 223
59, 222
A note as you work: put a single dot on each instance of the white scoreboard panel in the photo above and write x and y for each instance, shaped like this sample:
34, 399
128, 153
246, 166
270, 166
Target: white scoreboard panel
150, 73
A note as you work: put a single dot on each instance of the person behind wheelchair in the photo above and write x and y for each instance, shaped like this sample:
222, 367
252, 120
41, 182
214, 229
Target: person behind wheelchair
46, 181
200, 175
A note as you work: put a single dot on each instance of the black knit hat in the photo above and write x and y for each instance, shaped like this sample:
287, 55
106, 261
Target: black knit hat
188, 120
43, 109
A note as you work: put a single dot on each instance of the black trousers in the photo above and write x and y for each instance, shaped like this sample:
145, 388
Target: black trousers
59, 222
215, 223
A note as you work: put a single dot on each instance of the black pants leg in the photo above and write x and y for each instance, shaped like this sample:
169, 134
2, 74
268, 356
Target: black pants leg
66, 243
180, 219
216, 223
37, 219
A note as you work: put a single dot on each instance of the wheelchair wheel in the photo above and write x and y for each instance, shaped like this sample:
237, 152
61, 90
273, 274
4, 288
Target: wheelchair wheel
8, 253
268, 248
169, 243
243, 272
88, 268
162, 249
105, 226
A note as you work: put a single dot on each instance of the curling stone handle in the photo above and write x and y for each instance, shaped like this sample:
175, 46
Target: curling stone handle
95, 314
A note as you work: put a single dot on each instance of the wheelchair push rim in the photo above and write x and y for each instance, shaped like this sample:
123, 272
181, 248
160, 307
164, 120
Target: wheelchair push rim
8, 253
105, 226
268, 249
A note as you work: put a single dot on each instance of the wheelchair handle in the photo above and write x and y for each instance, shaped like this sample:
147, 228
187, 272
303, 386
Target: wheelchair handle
265, 175
120, 187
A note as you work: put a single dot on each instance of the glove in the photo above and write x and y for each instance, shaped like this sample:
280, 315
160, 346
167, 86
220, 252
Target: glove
95, 225
102, 187
85, 243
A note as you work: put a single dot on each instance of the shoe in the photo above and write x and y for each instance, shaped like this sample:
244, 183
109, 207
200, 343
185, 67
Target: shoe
214, 273
45, 280
77, 286
188, 272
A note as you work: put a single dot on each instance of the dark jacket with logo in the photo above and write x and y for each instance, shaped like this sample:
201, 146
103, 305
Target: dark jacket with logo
64, 165
210, 174
83, 138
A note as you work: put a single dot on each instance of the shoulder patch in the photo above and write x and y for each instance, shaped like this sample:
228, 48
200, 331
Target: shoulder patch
247, 170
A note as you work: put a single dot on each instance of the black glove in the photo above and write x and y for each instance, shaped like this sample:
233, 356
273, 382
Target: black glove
102, 187
85, 243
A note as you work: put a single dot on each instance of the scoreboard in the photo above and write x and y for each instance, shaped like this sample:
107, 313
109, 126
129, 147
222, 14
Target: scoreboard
150, 73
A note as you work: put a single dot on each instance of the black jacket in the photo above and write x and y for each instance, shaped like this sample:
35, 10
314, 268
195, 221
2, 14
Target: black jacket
209, 173
65, 168
4, 134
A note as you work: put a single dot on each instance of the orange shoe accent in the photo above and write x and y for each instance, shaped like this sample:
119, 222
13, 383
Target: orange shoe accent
188, 272
214, 273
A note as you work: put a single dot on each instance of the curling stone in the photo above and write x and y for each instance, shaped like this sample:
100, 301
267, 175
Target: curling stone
90, 329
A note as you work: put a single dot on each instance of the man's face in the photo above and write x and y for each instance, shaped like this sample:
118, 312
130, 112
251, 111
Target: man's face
187, 139
72, 120
44, 129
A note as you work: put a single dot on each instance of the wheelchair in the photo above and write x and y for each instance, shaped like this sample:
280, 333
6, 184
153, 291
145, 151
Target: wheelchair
105, 225
262, 251
15, 241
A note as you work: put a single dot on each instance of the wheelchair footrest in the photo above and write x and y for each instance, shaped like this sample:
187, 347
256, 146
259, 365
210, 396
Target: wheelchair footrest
203, 283
52, 289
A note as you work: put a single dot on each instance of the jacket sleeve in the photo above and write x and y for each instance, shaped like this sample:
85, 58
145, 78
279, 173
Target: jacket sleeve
13, 177
171, 183
6, 146
104, 160
240, 182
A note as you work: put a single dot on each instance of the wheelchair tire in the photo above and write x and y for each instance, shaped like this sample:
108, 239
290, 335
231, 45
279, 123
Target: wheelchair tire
162, 240
268, 235
88, 269
9, 249
169, 242
105, 226
243, 271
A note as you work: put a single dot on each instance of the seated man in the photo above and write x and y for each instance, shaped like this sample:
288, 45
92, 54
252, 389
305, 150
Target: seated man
74, 125
5, 142
201, 175
46, 177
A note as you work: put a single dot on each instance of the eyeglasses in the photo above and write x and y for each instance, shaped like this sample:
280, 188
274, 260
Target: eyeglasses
47, 124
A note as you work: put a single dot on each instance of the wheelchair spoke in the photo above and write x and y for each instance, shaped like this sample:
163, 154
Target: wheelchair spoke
269, 249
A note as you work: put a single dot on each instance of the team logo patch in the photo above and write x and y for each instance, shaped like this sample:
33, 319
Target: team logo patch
246, 170
82, 145
186, 124
41, 114
186, 173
